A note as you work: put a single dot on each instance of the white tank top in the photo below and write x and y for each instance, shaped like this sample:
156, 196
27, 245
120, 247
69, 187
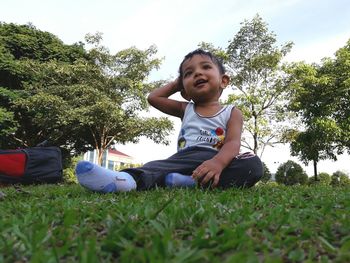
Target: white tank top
197, 130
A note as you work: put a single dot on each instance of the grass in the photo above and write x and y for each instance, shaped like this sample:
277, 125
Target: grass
65, 223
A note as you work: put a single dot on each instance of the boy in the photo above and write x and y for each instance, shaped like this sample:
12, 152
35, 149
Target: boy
208, 143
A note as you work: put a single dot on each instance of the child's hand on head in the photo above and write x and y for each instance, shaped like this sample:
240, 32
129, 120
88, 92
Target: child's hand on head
181, 89
208, 170
184, 95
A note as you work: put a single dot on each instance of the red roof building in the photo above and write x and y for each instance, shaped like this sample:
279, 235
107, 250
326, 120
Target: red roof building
112, 159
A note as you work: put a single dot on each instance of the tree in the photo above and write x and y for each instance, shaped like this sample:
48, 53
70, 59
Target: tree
267, 174
90, 102
7, 123
20, 45
319, 96
255, 65
291, 173
340, 69
315, 143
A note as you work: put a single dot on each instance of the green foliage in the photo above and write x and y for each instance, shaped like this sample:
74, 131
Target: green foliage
340, 178
315, 143
77, 99
26, 41
257, 72
267, 174
260, 81
218, 52
322, 178
65, 223
271, 184
69, 170
24, 49
7, 123
291, 173
128, 165
319, 96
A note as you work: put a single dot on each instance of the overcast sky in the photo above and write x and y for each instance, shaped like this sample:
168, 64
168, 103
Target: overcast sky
317, 27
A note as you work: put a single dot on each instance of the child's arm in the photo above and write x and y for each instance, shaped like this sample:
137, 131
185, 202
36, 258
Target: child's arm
159, 98
211, 169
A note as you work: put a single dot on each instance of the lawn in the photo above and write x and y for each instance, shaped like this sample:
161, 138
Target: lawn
65, 223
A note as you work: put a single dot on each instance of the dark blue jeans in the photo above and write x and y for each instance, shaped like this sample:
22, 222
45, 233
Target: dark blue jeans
243, 171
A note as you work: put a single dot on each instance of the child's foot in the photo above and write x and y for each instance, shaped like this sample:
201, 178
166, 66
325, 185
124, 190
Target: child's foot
179, 180
97, 178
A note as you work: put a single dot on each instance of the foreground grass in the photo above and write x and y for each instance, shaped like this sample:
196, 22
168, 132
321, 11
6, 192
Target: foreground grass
65, 223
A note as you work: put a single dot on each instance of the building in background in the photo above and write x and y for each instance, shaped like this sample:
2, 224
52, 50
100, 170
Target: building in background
112, 159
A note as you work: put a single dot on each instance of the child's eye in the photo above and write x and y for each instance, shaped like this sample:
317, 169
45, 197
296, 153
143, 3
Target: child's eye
187, 73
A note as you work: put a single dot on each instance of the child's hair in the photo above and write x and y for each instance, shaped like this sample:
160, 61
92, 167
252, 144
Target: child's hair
202, 52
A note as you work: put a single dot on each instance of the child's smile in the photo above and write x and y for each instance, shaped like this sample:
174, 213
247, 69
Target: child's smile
201, 79
200, 82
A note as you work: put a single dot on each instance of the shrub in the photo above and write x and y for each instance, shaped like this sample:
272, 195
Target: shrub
266, 175
69, 170
323, 179
340, 178
291, 173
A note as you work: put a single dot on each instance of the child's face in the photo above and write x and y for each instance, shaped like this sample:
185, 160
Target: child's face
202, 79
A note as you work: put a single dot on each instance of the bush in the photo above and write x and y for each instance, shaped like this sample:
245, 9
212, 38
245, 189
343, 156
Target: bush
291, 173
323, 179
266, 175
128, 165
271, 183
69, 170
340, 178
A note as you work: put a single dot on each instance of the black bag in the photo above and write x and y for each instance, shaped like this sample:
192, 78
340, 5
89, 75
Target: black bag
31, 165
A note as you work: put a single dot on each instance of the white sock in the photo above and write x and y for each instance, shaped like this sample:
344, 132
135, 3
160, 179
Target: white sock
97, 178
179, 180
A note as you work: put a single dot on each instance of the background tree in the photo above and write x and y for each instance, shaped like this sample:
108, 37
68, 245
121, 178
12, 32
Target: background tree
291, 173
20, 45
257, 73
260, 81
217, 51
7, 123
267, 174
320, 98
339, 95
90, 102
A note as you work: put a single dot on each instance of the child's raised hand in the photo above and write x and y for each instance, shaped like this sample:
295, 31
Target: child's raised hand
208, 170
184, 95
182, 90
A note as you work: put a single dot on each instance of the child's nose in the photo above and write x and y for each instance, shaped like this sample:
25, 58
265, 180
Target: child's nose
197, 72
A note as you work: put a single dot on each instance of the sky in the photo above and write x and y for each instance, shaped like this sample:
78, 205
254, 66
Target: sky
318, 28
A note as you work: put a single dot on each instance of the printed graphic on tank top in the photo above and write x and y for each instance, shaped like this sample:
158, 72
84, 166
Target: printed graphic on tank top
200, 131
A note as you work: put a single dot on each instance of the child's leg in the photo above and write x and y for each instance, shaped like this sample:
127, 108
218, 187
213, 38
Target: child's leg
154, 173
97, 178
179, 180
244, 171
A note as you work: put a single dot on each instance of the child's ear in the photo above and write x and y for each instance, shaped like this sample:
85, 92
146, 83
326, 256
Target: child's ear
225, 80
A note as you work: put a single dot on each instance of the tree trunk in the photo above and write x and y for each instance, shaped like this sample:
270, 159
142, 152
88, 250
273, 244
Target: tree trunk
315, 169
99, 156
255, 136
255, 150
